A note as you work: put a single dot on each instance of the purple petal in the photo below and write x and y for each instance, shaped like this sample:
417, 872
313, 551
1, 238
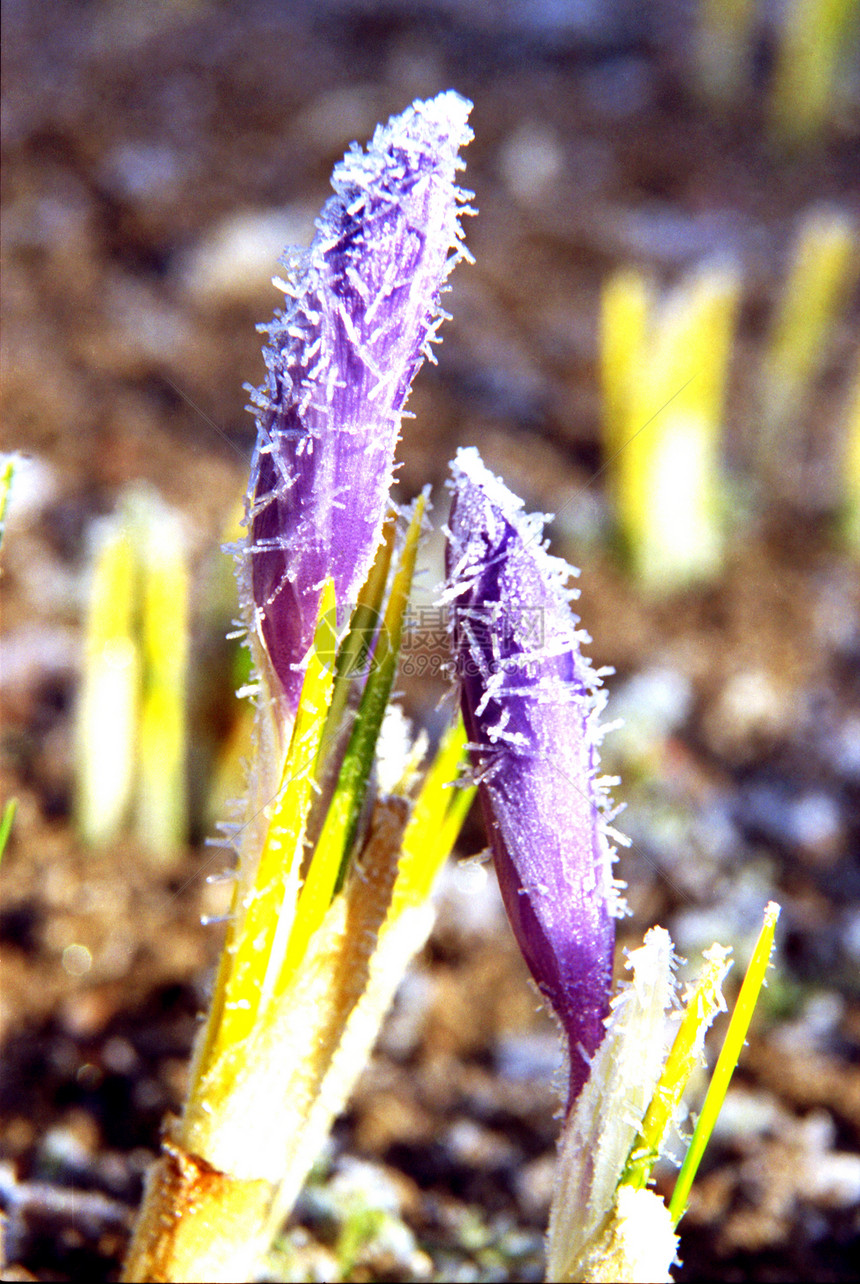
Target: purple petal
362, 308
531, 705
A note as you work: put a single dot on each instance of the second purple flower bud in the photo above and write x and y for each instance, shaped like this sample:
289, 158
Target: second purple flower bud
531, 704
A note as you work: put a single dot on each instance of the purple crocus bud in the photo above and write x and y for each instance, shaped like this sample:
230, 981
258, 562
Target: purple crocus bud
531, 705
362, 308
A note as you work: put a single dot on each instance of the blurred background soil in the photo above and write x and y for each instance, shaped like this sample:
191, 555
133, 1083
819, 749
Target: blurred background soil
157, 158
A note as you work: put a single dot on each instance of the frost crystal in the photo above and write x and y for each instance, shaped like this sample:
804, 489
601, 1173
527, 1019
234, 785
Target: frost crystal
531, 704
362, 308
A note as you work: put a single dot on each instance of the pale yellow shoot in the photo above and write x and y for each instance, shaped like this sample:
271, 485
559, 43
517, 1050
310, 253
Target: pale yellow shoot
161, 801
815, 41
683, 529
666, 416
8, 464
824, 268
108, 702
625, 310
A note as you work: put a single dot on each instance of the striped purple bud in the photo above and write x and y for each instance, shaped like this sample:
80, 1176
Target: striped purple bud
362, 308
531, 704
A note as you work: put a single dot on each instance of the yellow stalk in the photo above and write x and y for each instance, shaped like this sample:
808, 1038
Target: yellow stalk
437, 816
702, 1005
238, 1163
338, 998
399, 933
726, 1061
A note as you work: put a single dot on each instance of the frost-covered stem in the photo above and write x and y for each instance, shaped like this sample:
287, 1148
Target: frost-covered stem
298, 981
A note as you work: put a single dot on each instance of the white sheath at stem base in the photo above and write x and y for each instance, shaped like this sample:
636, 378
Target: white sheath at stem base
638, 1245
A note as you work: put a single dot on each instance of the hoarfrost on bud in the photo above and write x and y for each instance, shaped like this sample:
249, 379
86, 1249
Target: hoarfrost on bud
531, 703
362, 308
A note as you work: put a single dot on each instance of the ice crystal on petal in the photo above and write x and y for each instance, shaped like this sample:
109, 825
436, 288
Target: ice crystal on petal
531, 704
362, 308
